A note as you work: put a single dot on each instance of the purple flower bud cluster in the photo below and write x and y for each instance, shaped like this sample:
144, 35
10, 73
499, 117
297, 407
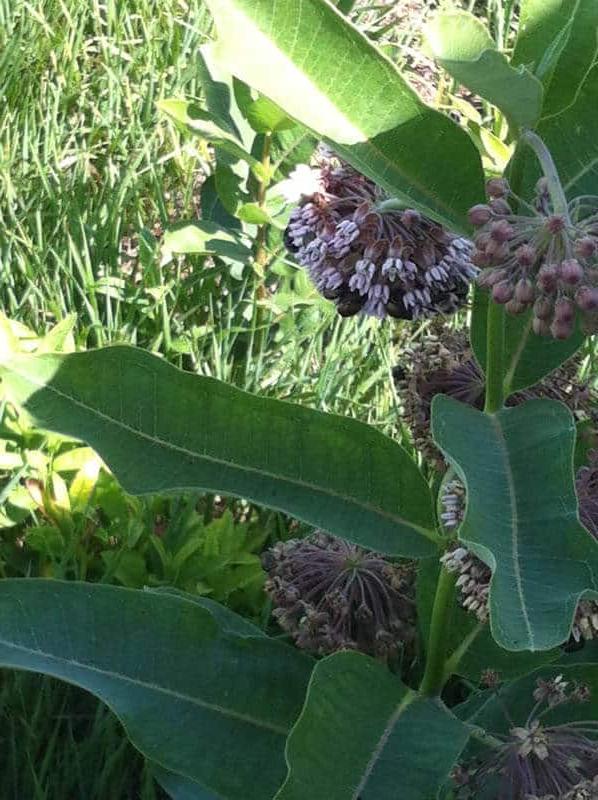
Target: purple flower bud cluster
331, 595
536, 760
368, 256
539, 259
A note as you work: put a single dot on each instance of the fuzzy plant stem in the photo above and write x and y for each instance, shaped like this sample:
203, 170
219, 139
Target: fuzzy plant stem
555, 188
435, 675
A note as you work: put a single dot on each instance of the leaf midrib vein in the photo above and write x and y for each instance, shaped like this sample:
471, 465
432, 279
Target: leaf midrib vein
159, 442
149, 686
503, 450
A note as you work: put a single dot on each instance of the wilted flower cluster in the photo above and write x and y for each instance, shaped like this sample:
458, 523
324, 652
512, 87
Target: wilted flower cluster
332, 595
540, 259
474, 575
442, 363
537, 761
367, 255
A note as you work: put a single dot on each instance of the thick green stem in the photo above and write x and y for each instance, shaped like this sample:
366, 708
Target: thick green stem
495, 356
435, 672
557, 195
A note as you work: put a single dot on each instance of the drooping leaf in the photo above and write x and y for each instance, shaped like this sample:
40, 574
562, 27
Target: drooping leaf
558, 39
180, 788
183, 690
160, 429
528, 357
324, 73
521, 518
362, 734
204, 237
462, 45
483, 653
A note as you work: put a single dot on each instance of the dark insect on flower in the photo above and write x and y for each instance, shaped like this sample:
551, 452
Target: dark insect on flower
442, 363
536, 761
332, 595
540, 259
369, 256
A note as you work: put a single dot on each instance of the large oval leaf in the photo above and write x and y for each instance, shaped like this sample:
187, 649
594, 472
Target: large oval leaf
521, 515
161, 429
212, 707
362, 734
323, 72
462, 45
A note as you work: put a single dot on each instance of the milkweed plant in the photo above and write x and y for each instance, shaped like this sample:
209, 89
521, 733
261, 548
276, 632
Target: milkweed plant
433, 635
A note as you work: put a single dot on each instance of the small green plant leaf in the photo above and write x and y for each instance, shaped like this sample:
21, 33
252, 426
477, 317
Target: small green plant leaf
362, 734
160, 429
254, 214
314, 64
462, 45
204, 238
521, 515
183, 690
528, 357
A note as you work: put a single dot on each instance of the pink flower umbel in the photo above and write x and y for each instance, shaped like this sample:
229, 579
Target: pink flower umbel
540, 258
369, 256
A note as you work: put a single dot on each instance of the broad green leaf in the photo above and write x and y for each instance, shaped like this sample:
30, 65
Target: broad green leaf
483, 653
362, 734
159, 429
228, 621
528, 357
314, 64
204, 238
180, 788
264, 116
229, 188
559, 40
213, 210
211, 707
196, 120
521, 515
254, 214
462, 45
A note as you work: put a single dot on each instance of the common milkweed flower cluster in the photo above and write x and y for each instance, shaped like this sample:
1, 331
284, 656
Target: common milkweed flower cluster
331, 595
536, 760
368, 255
541, 257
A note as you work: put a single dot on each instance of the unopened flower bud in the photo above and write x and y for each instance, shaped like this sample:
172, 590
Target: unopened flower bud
541, 327
410, 217
502, 292
585, 247
480, 258
543, 308
586, 298
497, 187
524, 291
564, 310
490, 277
480, 215
561, 329
526, 255
514, 307
571, 272
501, 231
548, 278
497, 251
500, 207
555, 223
